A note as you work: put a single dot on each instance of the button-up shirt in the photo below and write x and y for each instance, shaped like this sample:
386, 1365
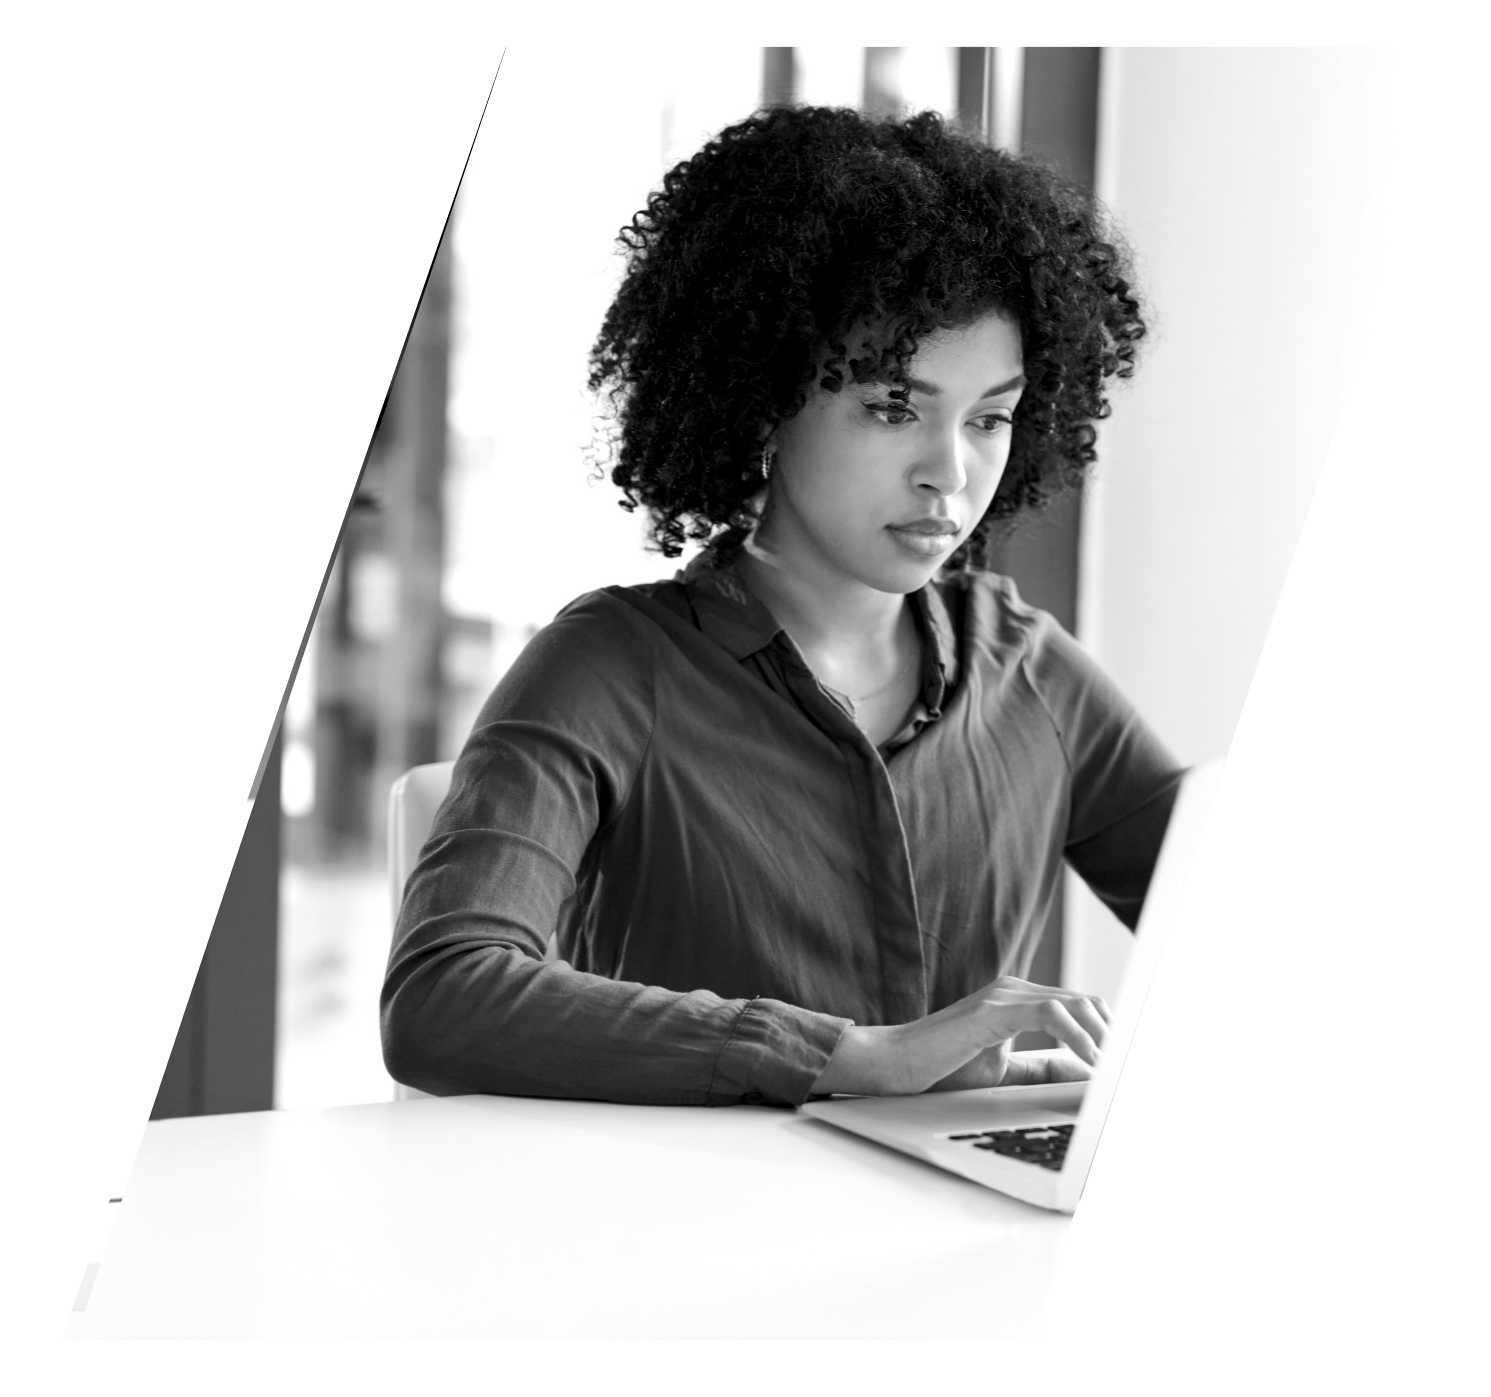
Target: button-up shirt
733, 871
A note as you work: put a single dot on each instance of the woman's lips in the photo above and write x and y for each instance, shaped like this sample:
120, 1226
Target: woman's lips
925, 537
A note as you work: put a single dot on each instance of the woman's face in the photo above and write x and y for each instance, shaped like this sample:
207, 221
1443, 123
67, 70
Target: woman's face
869, 489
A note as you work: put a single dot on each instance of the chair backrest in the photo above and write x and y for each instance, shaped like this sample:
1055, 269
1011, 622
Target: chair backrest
412, 804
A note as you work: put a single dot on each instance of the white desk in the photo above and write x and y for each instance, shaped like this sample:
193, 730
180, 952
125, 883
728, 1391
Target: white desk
500, 1217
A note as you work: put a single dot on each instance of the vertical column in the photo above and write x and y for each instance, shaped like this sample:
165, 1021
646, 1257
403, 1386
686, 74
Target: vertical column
778, 77
1059, 126
882, 82
410, 690
975, 72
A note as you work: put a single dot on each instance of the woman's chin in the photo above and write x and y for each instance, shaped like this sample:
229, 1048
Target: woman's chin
902, 575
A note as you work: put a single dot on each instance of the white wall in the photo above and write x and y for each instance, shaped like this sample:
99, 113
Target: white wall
1241, 177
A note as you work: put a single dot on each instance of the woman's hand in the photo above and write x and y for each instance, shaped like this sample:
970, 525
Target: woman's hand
999, 1067
967, 1044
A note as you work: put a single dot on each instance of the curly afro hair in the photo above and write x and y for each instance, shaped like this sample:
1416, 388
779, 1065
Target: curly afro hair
802, 229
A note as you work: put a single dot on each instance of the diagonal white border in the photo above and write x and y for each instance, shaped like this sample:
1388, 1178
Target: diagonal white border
214, 259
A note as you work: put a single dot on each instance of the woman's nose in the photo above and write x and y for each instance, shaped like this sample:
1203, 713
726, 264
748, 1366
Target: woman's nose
941, 468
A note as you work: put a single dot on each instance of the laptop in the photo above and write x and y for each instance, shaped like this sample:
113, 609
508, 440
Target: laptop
1036, 1143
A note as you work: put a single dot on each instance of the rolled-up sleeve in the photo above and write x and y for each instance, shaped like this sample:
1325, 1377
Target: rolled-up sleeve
469, 1004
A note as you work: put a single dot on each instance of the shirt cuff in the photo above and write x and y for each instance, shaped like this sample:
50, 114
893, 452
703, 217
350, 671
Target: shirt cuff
774, 1054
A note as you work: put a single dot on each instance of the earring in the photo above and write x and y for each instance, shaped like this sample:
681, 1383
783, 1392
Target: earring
766, 455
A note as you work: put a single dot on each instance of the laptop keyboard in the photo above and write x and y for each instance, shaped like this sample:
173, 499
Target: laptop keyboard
1035, 1144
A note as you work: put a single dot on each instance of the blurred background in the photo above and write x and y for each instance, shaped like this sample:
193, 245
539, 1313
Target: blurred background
1240, 177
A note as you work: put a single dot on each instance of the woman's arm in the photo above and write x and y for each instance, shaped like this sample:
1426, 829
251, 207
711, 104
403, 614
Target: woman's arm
1123, 780
469, 1005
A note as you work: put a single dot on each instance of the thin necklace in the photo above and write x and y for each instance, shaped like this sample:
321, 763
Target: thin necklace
875, 693
894, 679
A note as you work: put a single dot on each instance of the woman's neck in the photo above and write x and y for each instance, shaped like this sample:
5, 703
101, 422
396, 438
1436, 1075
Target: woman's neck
832, 617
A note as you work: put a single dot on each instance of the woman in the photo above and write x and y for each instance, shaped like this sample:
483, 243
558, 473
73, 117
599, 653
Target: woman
797, 815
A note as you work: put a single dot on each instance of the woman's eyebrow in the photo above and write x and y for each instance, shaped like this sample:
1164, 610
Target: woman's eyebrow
931, 390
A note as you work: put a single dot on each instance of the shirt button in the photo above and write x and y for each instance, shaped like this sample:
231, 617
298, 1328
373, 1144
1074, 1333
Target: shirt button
752, 1098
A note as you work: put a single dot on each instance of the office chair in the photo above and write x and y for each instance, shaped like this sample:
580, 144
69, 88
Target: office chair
412, 803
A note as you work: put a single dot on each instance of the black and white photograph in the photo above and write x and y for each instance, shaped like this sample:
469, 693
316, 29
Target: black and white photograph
754, 831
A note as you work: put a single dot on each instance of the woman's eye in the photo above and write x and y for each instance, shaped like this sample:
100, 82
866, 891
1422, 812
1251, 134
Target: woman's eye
994, 421
895, 414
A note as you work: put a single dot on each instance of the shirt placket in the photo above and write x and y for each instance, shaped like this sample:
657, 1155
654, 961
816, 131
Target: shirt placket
887, 856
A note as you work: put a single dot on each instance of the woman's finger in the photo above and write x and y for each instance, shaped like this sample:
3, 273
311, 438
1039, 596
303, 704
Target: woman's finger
1042, 1067
1101, 1005
1086, 1013
1057, 1020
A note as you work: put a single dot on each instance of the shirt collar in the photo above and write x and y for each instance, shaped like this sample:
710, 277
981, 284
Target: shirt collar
940, 670
729, 613
732, 616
